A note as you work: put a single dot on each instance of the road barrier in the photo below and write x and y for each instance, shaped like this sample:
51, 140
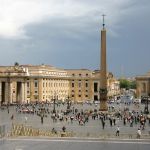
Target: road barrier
22, 130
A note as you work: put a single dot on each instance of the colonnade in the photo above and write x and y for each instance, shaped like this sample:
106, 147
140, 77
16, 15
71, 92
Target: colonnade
12, 91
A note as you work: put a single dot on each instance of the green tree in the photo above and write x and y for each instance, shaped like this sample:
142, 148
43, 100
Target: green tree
133, 85
124, 84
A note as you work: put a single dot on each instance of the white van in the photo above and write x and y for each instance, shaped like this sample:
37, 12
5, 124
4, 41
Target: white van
137, 100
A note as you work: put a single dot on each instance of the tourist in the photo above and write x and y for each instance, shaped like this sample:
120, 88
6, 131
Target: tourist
64, 129
54, 131
117, 131
12, 117
139, 133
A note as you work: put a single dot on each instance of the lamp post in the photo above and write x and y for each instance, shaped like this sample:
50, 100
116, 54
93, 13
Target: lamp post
146, 99
68, 104
54, 103
42, 113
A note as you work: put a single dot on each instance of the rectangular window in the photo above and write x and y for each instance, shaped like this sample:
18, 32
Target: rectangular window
79, 84
86, 84
35, 84
72, 84
28, 84
95, 87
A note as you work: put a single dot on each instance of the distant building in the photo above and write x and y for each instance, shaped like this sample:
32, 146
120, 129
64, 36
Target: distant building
30, 83
143, 85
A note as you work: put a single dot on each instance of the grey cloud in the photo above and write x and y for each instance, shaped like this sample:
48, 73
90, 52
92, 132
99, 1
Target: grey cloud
74, 42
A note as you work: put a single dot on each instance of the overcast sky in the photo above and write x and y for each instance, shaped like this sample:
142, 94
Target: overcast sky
66, 34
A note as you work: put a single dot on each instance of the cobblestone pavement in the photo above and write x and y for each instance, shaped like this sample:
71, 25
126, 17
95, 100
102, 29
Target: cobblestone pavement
91, 129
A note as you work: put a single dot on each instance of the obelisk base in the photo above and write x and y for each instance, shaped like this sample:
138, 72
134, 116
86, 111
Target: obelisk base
103, 106
103, 99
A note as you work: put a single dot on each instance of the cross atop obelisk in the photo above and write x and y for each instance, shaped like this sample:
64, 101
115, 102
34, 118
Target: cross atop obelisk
103, 70
103, 21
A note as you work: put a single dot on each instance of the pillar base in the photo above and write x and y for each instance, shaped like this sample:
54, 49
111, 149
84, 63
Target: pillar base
103, 106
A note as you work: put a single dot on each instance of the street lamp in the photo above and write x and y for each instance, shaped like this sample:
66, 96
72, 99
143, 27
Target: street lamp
68, 104
42, 113
146, 100
54, 103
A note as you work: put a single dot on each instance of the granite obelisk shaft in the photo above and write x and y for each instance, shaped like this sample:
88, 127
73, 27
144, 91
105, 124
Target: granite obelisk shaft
103, 73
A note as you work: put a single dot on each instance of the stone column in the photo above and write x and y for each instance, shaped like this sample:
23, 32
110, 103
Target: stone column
103, 73
25, 92
76, 90
40, 87
0, 92
6, 92
22, 92
149, 87
31, 90
138, 89
10, 91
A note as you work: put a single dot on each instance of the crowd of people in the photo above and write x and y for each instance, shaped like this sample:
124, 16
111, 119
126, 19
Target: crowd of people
76, 113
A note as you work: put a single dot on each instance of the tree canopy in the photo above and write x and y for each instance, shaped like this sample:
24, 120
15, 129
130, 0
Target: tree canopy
124, 83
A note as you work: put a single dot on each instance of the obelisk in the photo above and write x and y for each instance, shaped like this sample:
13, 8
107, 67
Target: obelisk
103, 71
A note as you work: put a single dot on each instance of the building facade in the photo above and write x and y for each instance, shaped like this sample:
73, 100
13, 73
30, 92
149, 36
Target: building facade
29, 83
143, 85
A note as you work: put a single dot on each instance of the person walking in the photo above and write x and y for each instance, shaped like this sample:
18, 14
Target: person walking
114, 121
26, 118
42, 119
12, 117
117, 131
64, 129
54, 131
103, 124
110, 119
138, 133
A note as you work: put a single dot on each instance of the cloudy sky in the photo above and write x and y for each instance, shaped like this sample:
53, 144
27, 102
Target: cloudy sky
66, 34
